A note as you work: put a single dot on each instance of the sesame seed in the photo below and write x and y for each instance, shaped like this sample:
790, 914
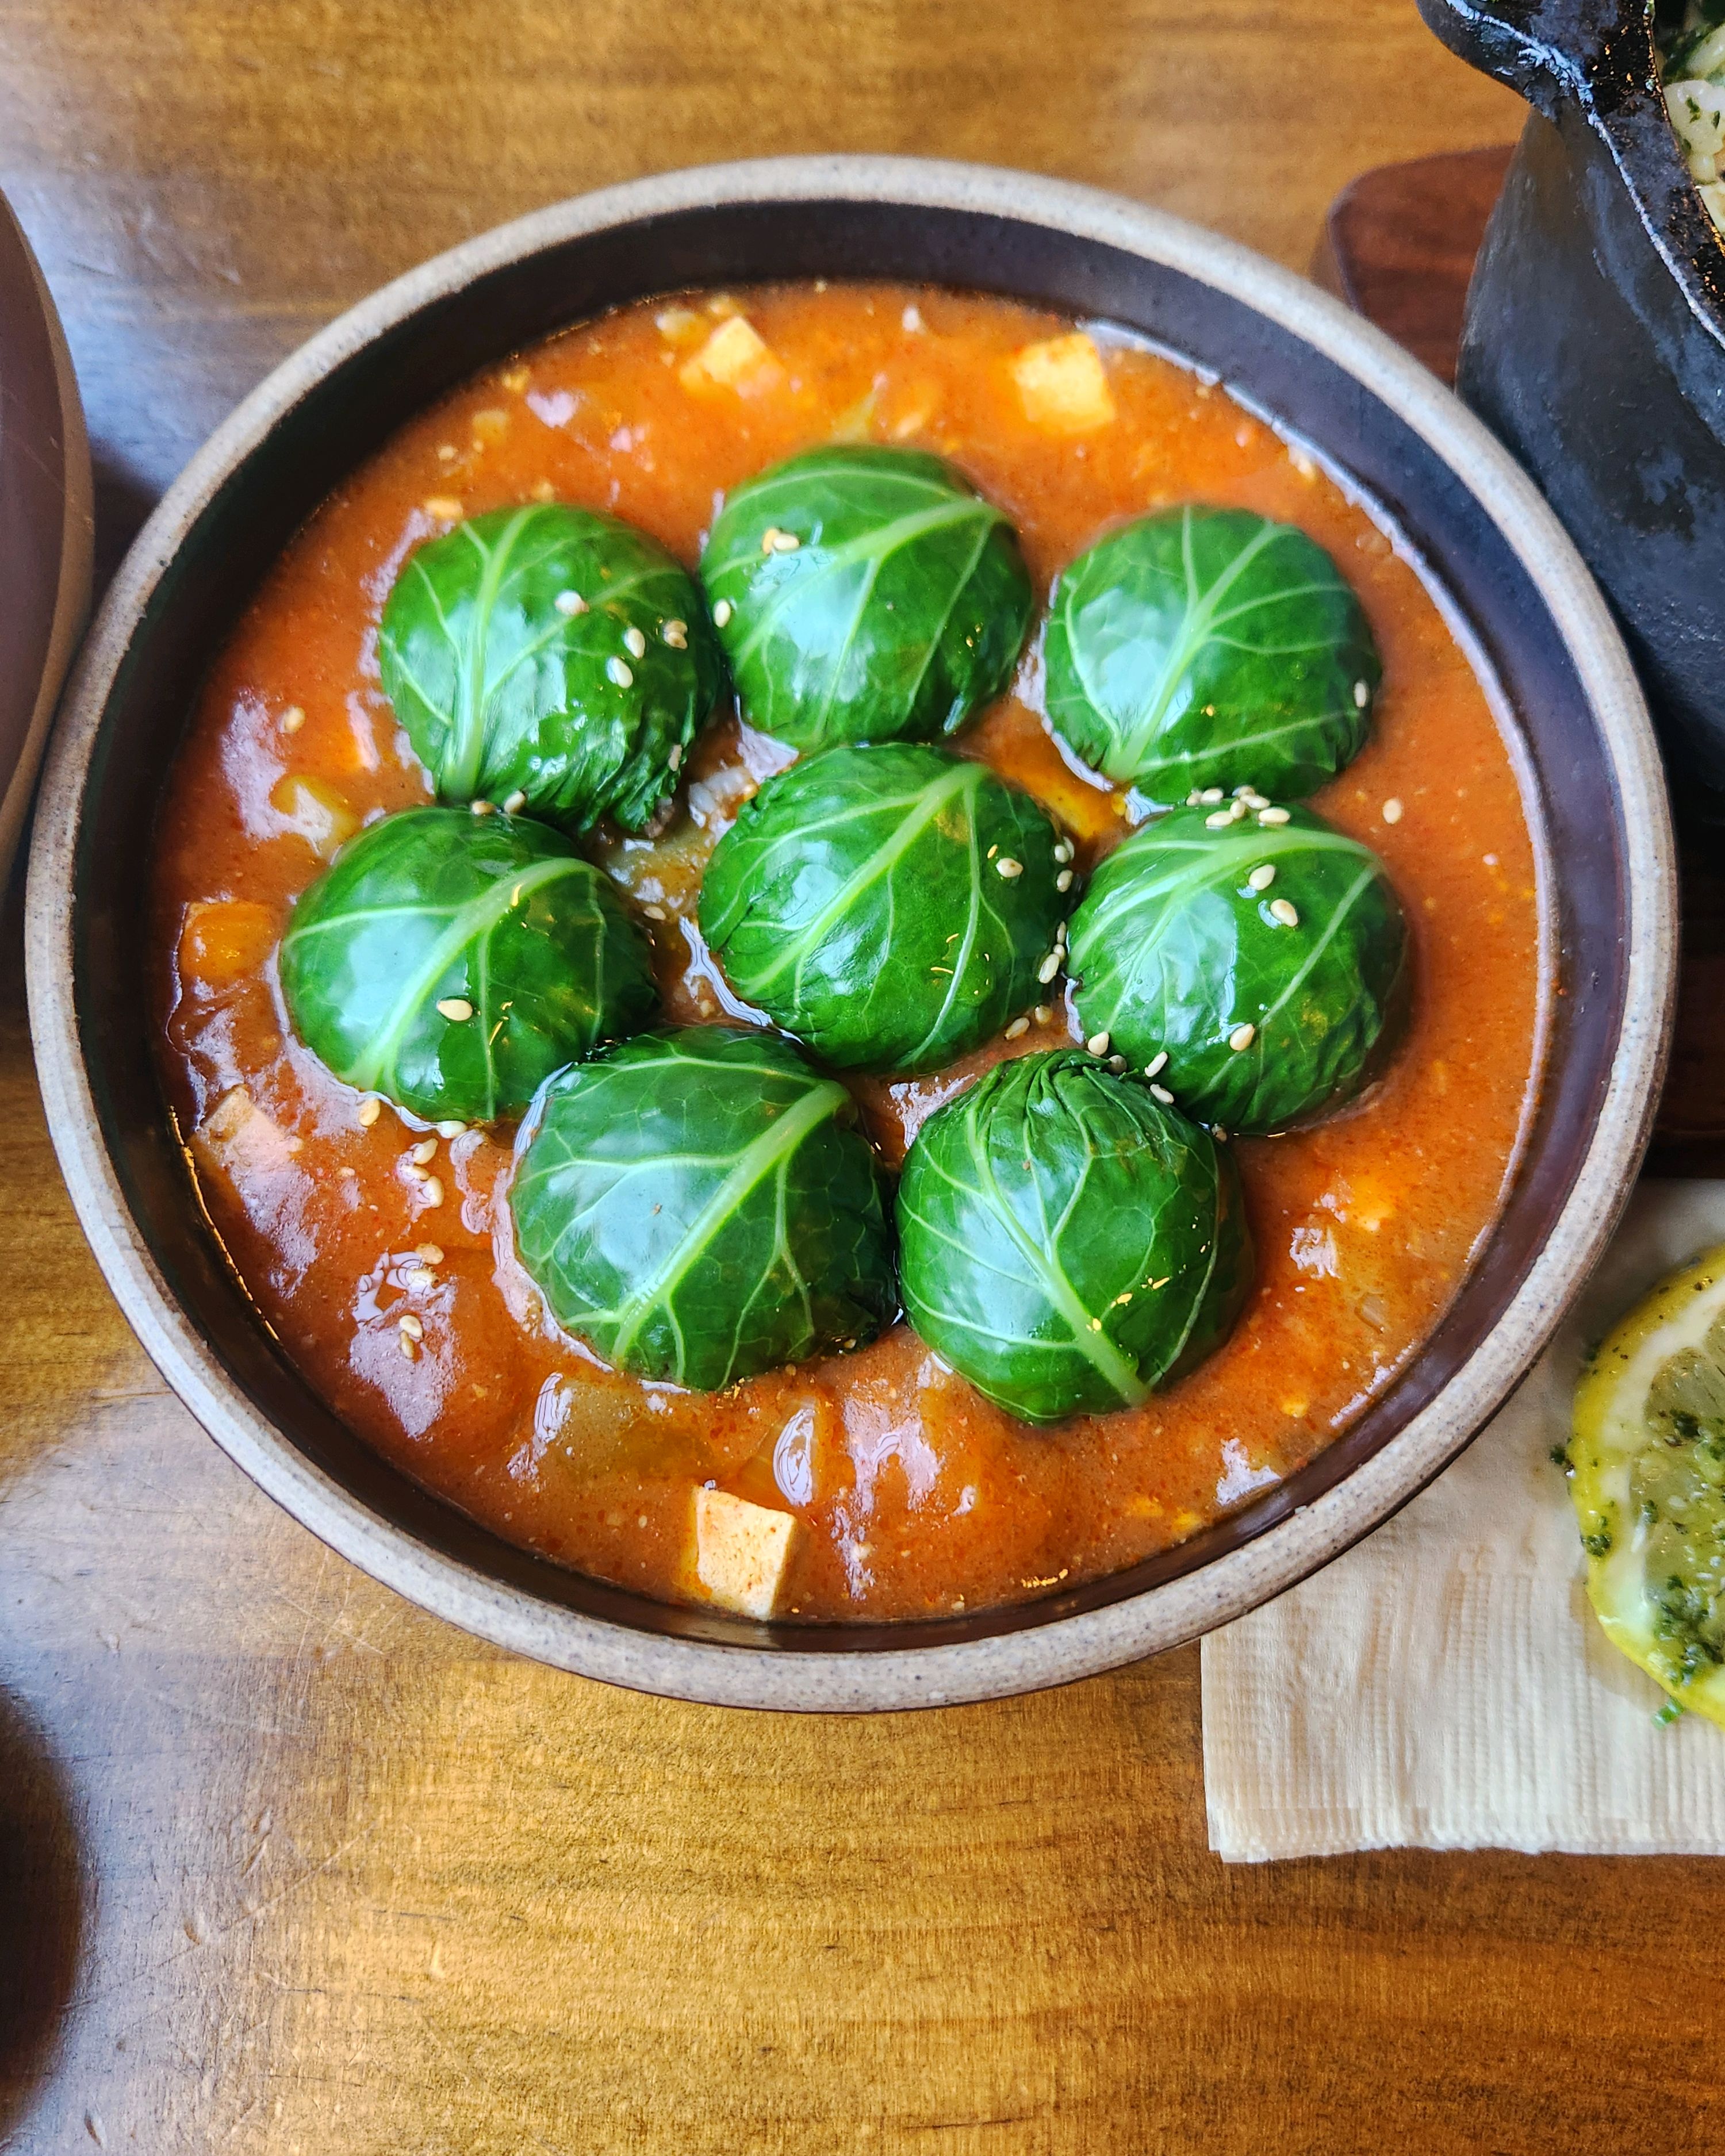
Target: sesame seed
785, 542
421, 1278
1223, 817
1018, 1028
407, 1346
409, 1172
634, 643
411, 1327
1253, 800
1097, 1043
433, 1191
1263, 876
1158, 1062
653, 912
1242, 1038
722, 612
483, 807
676, 633
1211, 794
517, 802
450, 1130
292, 719
1043, 1013
424, 1152
369, 1111
570, 603
1392, 811
444, 506
1162, 1093
1284, 911
1195, 799
1361, 695
1063, 850
1272, 816
1063, 881
619, 670
456, 1008
1218, 1134
1007, 867
675, 756
543, 490
447, 452
1050, 967
430, 1253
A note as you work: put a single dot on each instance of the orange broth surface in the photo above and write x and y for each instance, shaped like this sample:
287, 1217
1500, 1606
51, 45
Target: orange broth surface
914, 1495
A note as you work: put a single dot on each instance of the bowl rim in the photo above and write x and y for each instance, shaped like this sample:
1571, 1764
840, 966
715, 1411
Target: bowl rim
1036, 1655
45, 499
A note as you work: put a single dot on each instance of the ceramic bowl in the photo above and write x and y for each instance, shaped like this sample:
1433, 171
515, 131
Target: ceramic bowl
45, 524
1514, 581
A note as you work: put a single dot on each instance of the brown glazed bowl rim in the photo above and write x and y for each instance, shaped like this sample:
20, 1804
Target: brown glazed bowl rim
627, 1640
46, 527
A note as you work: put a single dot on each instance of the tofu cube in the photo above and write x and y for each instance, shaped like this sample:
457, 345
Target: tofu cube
242, 1140
735, 356
741, 1551
1063, 385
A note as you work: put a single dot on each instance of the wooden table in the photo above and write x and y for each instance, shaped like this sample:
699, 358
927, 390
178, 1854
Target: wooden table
285, 1865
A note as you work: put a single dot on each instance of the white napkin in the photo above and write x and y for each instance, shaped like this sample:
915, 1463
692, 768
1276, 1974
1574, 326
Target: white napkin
1445, 1685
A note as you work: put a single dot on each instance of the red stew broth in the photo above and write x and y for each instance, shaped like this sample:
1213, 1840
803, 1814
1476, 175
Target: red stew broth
917, 1496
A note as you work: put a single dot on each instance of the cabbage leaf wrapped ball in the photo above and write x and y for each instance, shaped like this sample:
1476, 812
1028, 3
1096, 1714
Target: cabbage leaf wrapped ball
864, 593
1261, 952
890, 905
452, 962
1067, 1244
698, 1206
1203, 648
551, 653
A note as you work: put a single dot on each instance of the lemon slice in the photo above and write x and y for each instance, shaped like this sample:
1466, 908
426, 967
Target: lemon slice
1648, 1479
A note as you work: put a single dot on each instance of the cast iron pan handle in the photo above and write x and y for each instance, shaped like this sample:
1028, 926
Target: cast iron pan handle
1554, 53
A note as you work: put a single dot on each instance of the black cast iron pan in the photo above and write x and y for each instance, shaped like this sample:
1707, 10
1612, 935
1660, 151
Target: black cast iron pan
1594, 341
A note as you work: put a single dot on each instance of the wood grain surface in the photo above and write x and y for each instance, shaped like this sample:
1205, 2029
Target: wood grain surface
286, 1867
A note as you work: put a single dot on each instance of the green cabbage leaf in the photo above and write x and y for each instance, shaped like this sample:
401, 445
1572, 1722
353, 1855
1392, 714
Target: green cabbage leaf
1067, 1244
1203, 648
551, 652
1183, 946
890, 905
453, 962
697, 1207
865, 594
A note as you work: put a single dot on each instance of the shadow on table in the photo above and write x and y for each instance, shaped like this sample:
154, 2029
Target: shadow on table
124, 499
41, 1910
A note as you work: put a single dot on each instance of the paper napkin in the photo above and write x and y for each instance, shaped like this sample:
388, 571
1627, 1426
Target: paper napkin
1445, 1685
